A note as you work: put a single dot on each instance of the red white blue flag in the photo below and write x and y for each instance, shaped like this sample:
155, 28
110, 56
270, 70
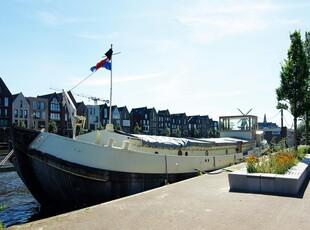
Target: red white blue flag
105, 63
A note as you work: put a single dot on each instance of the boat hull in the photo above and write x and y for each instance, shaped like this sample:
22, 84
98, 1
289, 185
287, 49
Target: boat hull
56, 183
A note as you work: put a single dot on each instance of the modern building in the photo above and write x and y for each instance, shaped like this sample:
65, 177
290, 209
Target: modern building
124, 119
5, 112
93, 122
179, 124
20, 108
164, 123
38, 113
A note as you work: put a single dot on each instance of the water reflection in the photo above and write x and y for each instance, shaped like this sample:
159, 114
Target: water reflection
21, 206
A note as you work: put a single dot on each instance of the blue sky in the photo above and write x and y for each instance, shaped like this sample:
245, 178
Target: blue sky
202, 57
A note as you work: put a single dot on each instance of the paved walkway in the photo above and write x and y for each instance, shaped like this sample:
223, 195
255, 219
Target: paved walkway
203, 202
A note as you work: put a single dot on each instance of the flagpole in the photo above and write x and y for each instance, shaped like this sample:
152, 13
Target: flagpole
110, 112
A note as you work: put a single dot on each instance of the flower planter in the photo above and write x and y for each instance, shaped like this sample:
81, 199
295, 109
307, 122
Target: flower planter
286, 184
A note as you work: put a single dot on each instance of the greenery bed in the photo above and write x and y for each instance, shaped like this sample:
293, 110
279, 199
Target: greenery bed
278, 161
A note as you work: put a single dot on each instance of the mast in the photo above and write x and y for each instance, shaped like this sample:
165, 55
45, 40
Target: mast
110, 112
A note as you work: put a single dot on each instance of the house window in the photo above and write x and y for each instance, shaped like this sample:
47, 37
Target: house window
55, 116
34, 104
20, 104
105, 113
21, 113
40, 105
6, 101
55, 106
43, 115
15, 113
38, 114
6, 112
25, 114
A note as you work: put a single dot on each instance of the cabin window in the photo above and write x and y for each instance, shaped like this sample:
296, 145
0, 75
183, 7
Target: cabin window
180, 152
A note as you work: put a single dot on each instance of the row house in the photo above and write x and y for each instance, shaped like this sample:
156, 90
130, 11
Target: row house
146, 119
58, 112
201, 126
124, 118
38, 113
179, 122
20, 108
164, 124
5, 112
120, 117
93, 117
35, 112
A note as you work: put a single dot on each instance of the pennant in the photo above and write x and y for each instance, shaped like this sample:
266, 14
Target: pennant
109, 53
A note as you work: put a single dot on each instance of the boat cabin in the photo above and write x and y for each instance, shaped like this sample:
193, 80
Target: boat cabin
243, 126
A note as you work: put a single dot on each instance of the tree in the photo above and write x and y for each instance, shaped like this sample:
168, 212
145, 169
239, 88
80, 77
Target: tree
307, 103
52, 126
196, 133
21, 124
166, 132
293, 86
137, 129
178, 132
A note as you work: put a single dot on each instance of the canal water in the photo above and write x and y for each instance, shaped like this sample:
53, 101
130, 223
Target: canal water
20, 205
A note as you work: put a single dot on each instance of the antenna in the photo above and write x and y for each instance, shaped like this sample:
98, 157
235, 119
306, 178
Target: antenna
246, 113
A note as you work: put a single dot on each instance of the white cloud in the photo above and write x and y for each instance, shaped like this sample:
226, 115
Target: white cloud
207, 21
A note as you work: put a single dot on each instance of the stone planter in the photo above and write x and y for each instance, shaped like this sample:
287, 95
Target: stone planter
286, 184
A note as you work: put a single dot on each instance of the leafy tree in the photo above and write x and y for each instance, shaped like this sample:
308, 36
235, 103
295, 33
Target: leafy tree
166, 132
52, 126
137, 129
178, 132
293, 86
118, 127
21, 124
196, 133
307, 104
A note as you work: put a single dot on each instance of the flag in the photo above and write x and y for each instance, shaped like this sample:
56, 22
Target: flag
109, 53
102, 64
105, 63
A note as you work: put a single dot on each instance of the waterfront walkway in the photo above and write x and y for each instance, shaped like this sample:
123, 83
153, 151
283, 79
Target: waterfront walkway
203, 202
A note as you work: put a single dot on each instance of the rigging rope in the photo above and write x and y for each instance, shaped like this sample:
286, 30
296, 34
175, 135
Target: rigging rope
269, 117
82, 81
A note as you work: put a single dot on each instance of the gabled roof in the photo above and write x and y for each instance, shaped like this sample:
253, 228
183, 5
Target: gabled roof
148, 111
193, 119
4, 89
163, 112
138, 111
122, 109
50, 96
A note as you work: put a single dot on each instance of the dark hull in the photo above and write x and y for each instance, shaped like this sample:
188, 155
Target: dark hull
56, 183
